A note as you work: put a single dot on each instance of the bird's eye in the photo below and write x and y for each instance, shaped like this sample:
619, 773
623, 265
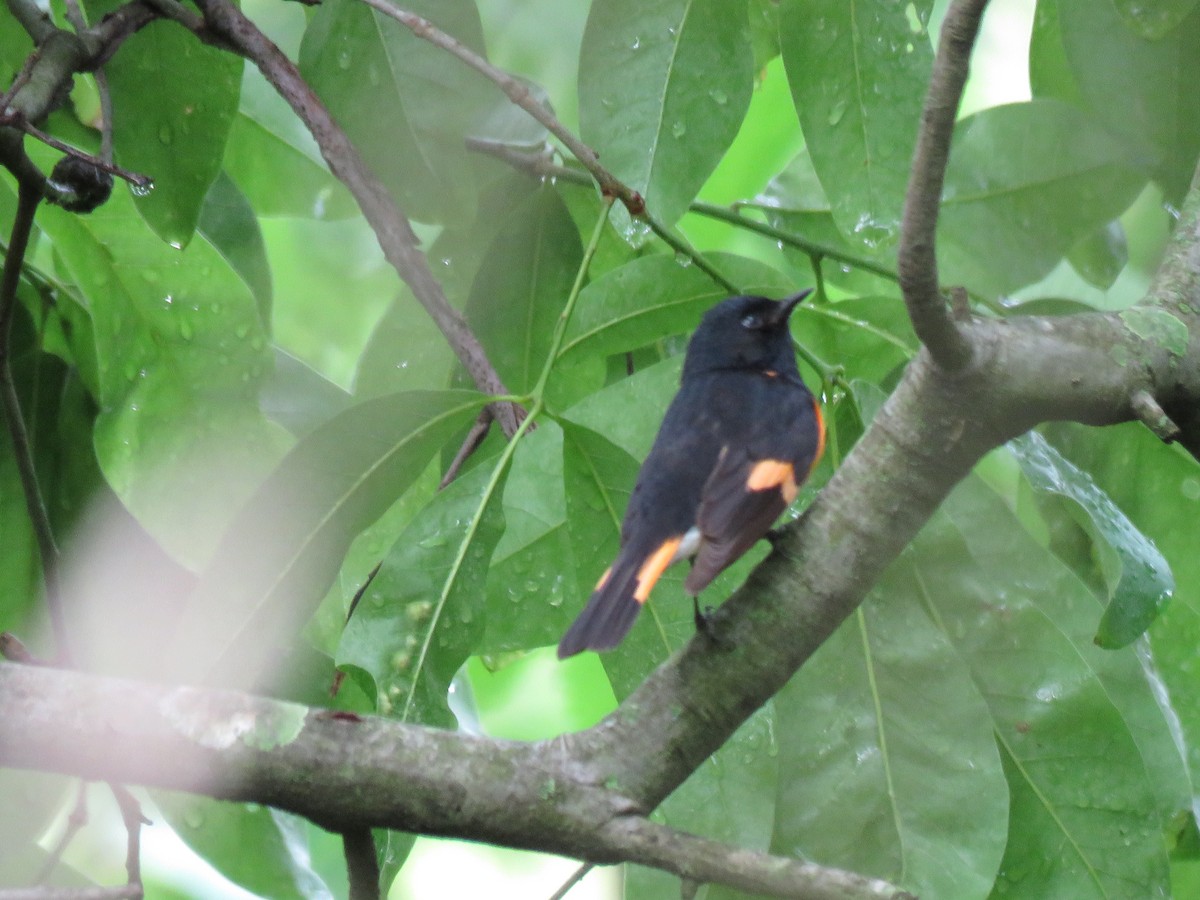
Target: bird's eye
752, 322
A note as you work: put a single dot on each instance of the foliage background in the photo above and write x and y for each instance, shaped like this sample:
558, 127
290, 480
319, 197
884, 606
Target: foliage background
232, 344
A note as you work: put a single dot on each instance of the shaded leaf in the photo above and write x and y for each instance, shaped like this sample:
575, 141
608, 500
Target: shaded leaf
662, 91
229, 223
522, 286
423, 615
1154, 21
881, 736
1100, 256
403, 102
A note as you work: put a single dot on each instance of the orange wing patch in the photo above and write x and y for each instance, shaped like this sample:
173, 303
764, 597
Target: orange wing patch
603, 579
773, 473
653, 568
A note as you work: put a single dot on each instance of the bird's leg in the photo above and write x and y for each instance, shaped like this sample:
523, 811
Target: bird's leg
706, 624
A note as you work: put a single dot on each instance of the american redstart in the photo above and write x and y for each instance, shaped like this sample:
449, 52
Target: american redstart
738, 440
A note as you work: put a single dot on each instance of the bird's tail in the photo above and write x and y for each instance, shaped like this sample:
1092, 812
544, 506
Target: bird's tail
617, 599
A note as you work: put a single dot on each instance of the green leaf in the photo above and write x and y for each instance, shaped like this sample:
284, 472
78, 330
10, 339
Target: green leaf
422, 616
1158, 487
174, 100
1100, 256
276, 162
1140, 89
1143, 582
662, 91
281, 553
655, 297
229, 223
404, 103
521, 287
1154, 21
533, 568
1050, 73
868, 336
858, 73
1025, 183
1078, 727
299, 398
881, 736
221, 833
181, 352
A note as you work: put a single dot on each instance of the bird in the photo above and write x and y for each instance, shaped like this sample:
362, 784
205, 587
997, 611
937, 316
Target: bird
737, 441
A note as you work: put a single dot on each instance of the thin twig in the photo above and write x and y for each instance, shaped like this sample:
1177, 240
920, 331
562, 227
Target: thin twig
76, 819
916, 257
28, 197
391, 227
131, 815
16, 120
469, 445
518, 92
577, 876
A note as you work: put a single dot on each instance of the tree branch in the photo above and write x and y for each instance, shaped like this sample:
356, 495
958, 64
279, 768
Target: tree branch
392, 229
916, 257
347, 773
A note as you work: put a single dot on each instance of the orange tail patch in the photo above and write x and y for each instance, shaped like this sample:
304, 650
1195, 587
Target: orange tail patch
773, 473
653, 568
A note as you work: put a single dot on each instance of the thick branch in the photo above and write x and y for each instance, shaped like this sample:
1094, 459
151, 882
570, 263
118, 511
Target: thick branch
916, 260
348, 773
392, 229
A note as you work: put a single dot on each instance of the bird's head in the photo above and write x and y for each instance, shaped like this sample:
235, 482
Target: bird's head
744, 333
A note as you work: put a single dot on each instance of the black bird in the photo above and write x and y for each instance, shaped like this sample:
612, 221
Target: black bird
738, 440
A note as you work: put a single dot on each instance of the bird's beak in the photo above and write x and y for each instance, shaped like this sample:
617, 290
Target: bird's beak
784, 310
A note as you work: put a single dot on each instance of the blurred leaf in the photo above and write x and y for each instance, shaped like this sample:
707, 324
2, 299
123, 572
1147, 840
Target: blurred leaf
1143, 581
174, 100
405, 352
522, 286
858, 74
903, 736
1140, 89
764, 31
181, 352
1050, 73
423, 615
276, 162
221, 834
1154, 21
1100, 256
1025, 183
299, 398
662, 91
279, 556
229, 223
403, 102
654, 297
